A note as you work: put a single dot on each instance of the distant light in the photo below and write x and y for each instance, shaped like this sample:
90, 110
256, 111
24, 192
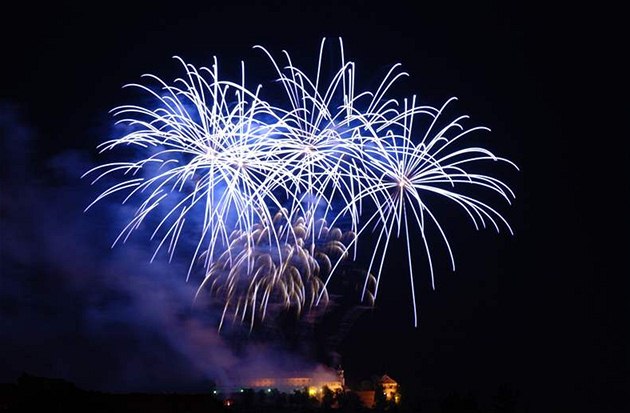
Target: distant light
214, 392
269, 390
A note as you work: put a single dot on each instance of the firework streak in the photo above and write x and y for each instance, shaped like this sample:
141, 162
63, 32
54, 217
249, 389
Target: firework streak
269, 186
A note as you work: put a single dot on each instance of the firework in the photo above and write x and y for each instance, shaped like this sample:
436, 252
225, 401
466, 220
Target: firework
265, 184
409, 169
252, 274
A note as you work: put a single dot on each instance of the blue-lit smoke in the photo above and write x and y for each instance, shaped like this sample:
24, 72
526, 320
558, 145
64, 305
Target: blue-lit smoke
221, 159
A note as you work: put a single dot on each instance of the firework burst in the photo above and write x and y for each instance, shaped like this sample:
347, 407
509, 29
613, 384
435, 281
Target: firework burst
276, 183
252, 274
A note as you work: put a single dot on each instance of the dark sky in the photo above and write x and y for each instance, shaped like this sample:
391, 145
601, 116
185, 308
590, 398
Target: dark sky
543, 314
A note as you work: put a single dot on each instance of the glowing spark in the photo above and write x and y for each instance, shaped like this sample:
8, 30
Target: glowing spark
259, 181
252, 273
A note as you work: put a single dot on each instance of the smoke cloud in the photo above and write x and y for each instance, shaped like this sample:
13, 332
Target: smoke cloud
104, 318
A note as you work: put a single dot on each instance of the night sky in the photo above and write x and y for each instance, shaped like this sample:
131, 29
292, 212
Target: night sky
541, 315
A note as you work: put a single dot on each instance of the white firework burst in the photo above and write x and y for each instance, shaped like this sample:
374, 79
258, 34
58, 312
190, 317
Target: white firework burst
330, 152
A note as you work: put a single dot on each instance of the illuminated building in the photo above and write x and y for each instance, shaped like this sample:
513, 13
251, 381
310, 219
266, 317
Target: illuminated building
390, 388
314, 384
386, 384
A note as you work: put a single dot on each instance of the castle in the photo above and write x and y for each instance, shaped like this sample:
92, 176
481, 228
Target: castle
314, 385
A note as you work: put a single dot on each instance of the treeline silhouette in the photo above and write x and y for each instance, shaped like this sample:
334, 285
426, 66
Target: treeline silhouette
34, 394
44, 395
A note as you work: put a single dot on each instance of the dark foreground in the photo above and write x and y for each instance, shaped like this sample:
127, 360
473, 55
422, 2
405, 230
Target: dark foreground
36, 394
45, 395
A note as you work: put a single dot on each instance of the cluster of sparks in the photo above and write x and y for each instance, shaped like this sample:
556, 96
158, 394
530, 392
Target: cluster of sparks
268, 186
250, 271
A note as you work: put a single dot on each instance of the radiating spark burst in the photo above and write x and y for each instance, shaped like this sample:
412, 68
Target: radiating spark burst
330, 153
209, 151
253, 274
432, 164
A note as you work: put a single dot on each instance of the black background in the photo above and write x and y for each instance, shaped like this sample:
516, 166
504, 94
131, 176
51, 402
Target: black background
543, 313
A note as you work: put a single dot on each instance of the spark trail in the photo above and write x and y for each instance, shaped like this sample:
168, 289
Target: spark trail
265, 185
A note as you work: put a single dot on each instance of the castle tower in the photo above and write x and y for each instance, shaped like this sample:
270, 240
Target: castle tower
340, 375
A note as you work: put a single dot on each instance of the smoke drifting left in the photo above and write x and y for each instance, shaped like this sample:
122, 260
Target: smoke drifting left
108, 319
